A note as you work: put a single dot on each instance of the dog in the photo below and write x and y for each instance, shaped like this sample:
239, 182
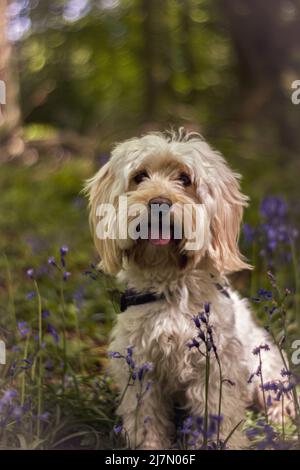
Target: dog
169, 284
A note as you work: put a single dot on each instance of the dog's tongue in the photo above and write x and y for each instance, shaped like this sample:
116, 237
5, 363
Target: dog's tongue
161, 240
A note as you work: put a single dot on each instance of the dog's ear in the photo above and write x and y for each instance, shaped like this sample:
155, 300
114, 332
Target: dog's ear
100, 190
225, 223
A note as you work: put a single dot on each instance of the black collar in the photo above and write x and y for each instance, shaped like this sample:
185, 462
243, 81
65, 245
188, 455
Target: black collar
131, 297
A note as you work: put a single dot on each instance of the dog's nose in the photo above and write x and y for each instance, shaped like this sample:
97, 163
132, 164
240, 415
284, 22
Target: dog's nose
160, 201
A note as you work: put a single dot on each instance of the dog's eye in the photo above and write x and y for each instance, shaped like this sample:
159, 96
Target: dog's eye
139, 177
185, 179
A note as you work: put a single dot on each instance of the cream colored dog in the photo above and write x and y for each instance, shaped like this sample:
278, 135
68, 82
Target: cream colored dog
172, 170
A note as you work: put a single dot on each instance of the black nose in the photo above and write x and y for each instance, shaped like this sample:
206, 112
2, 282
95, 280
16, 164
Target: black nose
160, 201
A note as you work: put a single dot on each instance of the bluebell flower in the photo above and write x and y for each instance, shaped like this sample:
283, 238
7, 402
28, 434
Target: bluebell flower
30, 273
207, 307
23, 328
285, 373
66, 275
52, 331
30, 295
193, 344
147, 367
257, 350
44, 416
78, 297
203, 318
7, 399
249, 233
130, 361
273, 207
118, 428
129, 351
63, 252
52, 261
114, 355
45, 313
270, 386
265, 294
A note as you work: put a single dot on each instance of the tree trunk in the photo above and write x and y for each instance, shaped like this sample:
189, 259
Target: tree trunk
11, 142
265, 35
155, 55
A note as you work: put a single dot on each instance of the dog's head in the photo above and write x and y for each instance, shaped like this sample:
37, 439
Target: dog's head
166, 201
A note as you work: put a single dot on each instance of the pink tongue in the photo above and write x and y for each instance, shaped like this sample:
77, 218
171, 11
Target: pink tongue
159, 241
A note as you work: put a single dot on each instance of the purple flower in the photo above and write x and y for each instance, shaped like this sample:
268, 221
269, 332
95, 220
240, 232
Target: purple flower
130, 362
63, 251
249, 233
265, 294
114, 355
7, 398
30, 295
9, 395
118, 428
52, 331
52, 261
78, 297
270, 386
45, 313
272, 207
257, 350
147, 367
207, 307
269, 401
23, 328
30, 273
44, 416
285, 373
193, 344
66, 275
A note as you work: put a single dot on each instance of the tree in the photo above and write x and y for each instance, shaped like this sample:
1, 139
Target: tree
10, 118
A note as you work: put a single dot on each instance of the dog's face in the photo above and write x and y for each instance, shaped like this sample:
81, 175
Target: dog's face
172, 202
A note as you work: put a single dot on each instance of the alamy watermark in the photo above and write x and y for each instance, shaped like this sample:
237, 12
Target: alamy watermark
296, 94
2, 352
2, 92
2, 95
159, 222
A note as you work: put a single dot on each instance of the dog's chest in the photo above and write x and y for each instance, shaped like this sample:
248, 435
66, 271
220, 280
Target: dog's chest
162, 337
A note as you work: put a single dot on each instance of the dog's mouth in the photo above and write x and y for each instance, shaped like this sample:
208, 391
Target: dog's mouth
160, 236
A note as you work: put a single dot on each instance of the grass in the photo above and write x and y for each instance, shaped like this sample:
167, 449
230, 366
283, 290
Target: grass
54, 390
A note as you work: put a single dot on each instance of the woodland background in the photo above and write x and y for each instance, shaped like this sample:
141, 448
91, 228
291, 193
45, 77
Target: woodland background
81, 75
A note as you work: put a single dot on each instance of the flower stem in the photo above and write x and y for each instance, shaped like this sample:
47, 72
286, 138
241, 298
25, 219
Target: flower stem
262, 387
63, 309
220, 400
207, 370
23, 377
40, 362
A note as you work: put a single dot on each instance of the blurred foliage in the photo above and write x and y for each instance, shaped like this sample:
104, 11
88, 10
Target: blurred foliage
92, 72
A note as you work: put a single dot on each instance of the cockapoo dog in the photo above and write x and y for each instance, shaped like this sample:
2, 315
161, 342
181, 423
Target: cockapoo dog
169, 285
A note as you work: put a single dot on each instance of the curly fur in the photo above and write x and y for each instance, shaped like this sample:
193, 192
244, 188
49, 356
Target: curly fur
161, 330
